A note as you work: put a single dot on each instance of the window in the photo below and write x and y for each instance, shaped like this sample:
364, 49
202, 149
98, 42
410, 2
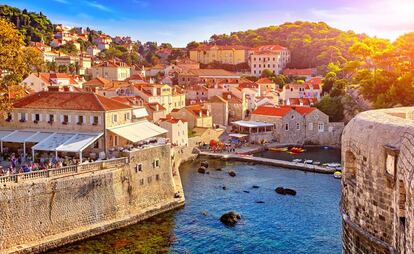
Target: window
141, 181
138, 168
126, 116
36, 118
157, 177
65, 119
292, 117
95, 120
51, 119
321, 127
116, 141
9, 117
156, 163
80, 120
310, 126
22, 117
114, 118
297, 126
286, 126
149, 179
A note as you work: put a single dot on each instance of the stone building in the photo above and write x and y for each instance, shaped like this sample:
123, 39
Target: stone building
69, 120
377, 184
300, 125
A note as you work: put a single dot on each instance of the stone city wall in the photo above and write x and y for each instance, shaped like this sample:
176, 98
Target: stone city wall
37, 214
378, 181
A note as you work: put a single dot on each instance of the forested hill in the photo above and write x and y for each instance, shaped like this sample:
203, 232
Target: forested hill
33, 26
311, 44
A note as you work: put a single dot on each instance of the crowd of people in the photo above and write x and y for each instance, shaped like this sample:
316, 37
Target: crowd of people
21, 164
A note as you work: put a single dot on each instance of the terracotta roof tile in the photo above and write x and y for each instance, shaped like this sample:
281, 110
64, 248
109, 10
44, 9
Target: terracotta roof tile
84, 101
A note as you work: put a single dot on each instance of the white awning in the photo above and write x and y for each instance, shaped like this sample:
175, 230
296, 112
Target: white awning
39, 136
53, 142
5, 133
78, 142
252, 124
140, 112
18, 136
67, 142
138, 131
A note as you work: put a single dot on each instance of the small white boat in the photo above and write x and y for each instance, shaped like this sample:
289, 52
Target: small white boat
316, 163
308, 161
333, 165
297, 160
337, 175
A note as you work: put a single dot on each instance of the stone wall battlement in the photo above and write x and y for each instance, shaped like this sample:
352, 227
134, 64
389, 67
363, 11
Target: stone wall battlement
44, 212
378, 182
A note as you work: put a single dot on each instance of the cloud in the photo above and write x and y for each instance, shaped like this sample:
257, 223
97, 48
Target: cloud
98, 6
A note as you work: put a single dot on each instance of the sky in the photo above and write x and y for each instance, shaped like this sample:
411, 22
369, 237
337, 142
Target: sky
181, 21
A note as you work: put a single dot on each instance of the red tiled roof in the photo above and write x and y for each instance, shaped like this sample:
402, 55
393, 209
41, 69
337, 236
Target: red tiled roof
46, 77
268, 49
301, 110
172, 119
98, 81
264, 81
84, 101
112, 63
272, 111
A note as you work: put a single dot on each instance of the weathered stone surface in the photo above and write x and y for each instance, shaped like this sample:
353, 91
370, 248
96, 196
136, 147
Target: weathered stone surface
377, 204
38, 214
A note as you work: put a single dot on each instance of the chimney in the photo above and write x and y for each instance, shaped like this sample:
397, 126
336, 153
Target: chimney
200, 114
157, 107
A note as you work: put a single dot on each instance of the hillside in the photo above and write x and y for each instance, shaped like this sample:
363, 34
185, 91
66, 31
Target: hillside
311, 44
33, 26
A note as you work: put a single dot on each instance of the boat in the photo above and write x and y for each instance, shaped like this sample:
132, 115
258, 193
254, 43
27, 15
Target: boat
337, 174
296, 160
297, 150
279, 149
308, 161
333, 164
316, 163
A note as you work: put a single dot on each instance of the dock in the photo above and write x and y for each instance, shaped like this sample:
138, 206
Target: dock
270, 162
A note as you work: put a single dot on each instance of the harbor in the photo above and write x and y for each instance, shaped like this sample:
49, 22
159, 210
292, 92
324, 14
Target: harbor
269, 162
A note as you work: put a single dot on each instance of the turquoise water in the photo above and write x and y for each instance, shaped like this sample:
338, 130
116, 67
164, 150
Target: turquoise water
306, 223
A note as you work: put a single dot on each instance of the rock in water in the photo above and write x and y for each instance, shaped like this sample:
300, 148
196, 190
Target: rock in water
232, 173
201, 170
290, 192
255, 187
285, 191
260, 202
230, 218
224, 188
245, 191
218, 169
280, 190
204, 164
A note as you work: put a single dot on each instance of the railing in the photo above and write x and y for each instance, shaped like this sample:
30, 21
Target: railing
65, 170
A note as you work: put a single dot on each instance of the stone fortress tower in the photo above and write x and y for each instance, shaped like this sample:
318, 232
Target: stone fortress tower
377, 185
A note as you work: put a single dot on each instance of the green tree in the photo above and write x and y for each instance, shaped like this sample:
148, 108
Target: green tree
12, 63
266, 73
332, 106
62, 69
